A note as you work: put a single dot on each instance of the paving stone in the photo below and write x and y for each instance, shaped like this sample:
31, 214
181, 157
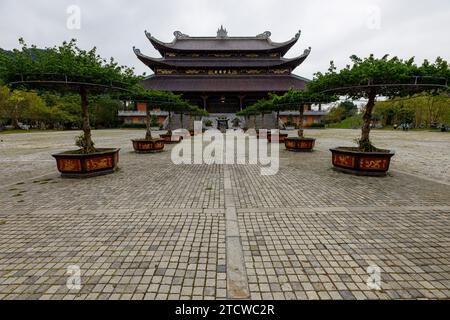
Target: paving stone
155, 230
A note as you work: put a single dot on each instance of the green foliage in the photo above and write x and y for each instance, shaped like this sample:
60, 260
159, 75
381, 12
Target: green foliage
341, 112
316, 125
423, 110
103, 111
249, 111
348, 123
164, 100
369, 77
371, 70
134, 126
291, 100
65, 60
154, 121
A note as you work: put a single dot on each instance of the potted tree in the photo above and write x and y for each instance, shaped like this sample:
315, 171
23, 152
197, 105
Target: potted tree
154, 124
367, 78
67, 68
260, 108
247, 113
299, 99
173, 103
194, 112
149, 144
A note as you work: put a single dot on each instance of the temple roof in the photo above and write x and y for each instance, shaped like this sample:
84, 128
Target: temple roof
223, 43
153, 63
266, 83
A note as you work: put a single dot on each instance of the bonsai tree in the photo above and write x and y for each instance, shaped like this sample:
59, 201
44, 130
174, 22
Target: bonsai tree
298, 99
195, 111
248, 112
370, 77
154, 121
66, 68
164, 100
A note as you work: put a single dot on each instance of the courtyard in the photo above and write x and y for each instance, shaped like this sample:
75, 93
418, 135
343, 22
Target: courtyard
155, 230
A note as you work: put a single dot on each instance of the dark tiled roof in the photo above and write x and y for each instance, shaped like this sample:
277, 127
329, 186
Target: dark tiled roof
224, 83
224, 62
258, 43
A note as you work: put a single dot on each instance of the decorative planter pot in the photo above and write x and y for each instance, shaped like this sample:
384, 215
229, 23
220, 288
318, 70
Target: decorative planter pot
298, 144
74, 165
148, 146
282, 137
168, 138
192, 133
351, 160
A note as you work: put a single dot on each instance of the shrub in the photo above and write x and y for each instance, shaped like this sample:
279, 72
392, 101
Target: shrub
316, 125
134, 126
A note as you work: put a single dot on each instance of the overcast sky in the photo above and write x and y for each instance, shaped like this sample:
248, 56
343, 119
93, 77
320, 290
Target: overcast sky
334, 29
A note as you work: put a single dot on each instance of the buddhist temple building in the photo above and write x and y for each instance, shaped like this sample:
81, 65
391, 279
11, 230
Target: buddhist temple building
222, 74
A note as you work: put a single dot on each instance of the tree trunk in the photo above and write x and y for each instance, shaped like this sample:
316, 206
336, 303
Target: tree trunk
278, 119
170, 123
148, 133
15, 117
367, 119
300, 122
181, 119
88, 145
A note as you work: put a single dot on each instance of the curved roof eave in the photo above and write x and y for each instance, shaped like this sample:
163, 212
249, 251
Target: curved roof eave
148, 61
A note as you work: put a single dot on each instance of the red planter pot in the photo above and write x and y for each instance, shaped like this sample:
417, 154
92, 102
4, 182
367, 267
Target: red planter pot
298, 144
351, 160
168, 138
148, 146
192, 133
73, 165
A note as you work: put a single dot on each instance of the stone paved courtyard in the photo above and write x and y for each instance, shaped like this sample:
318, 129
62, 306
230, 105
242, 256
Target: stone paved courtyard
155, 230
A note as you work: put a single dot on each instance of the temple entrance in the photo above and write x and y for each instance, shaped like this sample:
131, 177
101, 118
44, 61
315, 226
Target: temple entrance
223, 104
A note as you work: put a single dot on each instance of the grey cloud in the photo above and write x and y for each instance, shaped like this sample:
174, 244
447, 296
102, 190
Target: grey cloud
334, 29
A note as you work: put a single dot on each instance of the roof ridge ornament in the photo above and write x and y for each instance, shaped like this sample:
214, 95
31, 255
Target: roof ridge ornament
222, 33
136, 50
297, 35
180, 35
264, 35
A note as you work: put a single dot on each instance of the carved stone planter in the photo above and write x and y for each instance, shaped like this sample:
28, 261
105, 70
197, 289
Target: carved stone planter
282, 137
148, 146
78, 165
351, 160
298, 144
168, 138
